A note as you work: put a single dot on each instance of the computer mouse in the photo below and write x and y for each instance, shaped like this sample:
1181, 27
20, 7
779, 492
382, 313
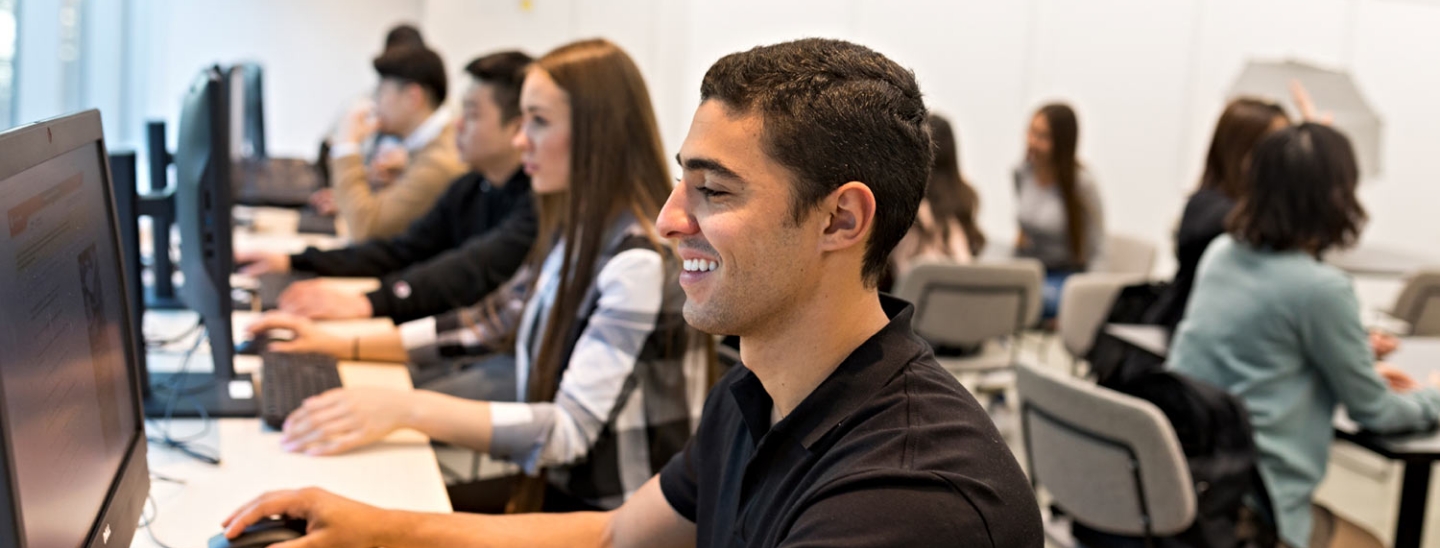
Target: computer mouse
260, 341
254, 346
264, 533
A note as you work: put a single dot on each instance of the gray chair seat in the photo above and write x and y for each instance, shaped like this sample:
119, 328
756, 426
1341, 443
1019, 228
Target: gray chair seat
982, 304
1111, 461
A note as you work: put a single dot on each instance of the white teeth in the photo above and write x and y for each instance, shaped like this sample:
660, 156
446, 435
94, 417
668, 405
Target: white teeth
700, 265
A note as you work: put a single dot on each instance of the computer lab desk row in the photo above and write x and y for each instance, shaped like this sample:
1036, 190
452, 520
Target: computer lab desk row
189, 498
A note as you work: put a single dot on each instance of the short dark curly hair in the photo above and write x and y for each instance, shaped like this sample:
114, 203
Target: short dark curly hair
1301, 192
836, 112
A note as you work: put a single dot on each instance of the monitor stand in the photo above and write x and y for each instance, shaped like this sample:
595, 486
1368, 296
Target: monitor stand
155, 301
191, 392
160, 292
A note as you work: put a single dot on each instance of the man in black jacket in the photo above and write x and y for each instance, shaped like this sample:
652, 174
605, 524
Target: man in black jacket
472, 241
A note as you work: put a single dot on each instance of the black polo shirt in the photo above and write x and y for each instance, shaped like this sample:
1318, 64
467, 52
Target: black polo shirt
889, 450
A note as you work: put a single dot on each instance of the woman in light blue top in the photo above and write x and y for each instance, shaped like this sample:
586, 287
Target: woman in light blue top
1272, 324
1056, 202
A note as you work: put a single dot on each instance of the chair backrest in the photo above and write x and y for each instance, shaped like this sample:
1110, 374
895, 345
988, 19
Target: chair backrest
1084, 304
1111, 461
965, 305
1124, 254
1419, 303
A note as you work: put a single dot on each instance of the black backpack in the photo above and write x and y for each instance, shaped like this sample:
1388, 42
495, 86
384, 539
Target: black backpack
1110, 356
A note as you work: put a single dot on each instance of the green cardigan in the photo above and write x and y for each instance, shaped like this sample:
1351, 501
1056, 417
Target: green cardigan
1282, 332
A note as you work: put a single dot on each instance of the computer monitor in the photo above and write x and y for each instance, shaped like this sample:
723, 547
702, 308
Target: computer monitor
126, 195
202, 212
247, 111
72, 444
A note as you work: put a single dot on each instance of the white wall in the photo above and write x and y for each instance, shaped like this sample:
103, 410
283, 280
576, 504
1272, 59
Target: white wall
1147, 77
316, 55
649, 30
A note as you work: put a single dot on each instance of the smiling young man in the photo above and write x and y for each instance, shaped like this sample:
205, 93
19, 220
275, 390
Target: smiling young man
804, 165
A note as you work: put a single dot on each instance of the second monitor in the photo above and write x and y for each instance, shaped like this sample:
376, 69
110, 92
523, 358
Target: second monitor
202, 212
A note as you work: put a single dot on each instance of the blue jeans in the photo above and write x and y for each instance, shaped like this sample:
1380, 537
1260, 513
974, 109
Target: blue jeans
1050, 292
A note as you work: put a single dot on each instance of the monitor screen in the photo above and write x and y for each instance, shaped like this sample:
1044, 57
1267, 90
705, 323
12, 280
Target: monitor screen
69, 405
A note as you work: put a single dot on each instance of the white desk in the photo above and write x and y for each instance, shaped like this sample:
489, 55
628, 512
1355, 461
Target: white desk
1150, 338
401, 472
277, 229
1381, 260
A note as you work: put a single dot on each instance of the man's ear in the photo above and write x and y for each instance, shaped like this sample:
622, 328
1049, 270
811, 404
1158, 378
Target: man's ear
850, 214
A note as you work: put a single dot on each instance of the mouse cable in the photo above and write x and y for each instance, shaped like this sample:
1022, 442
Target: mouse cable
161, 342
149, 524
186, 445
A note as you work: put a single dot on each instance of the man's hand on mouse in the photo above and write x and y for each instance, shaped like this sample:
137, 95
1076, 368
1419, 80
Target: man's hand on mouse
308, 336
334, 521
345, 418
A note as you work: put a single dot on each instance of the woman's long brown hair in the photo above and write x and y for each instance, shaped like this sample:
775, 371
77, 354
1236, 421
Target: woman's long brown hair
617, 166
950, 197
1242, 125
1064, 136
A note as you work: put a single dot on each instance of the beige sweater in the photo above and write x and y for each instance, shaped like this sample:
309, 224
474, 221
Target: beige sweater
386, 212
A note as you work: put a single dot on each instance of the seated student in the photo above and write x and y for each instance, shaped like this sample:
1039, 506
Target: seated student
383, 154
1242, 125
945, 227
407, 103
1062, 223
609, 376
468, 244
1272, 324
805, 164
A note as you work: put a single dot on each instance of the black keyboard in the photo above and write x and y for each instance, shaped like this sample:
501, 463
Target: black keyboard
287, 379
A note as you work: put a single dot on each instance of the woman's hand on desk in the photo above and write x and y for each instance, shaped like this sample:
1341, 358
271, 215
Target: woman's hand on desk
345, 418
319, 300
308, 337
1399, 381
1383, 343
